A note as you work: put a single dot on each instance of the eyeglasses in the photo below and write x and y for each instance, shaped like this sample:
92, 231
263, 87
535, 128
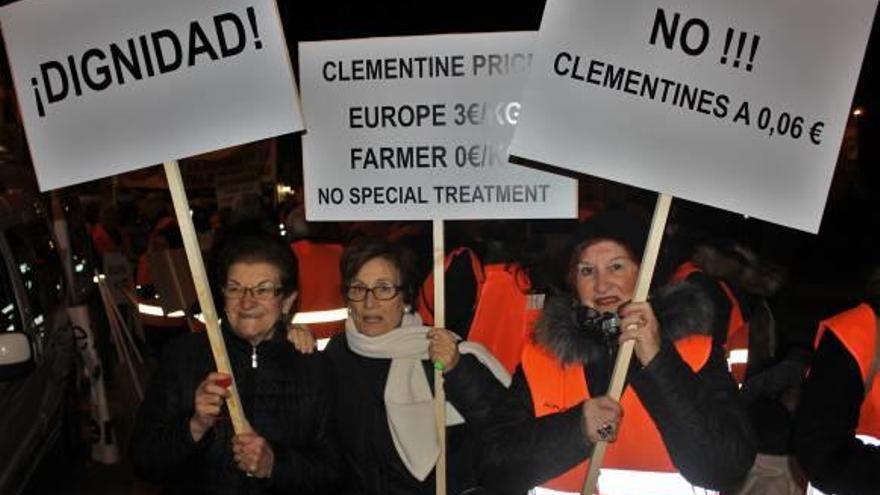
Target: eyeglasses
380, 292
260, 292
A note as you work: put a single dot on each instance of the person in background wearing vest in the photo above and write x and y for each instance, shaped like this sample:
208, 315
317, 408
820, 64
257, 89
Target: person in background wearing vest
837, 426
321, 306
681, 412
740, 283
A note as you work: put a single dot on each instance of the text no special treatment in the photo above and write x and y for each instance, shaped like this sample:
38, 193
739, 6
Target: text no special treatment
450, 194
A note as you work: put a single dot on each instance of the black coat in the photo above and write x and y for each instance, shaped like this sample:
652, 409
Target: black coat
373, 464
700, 417
285, 398
824, 441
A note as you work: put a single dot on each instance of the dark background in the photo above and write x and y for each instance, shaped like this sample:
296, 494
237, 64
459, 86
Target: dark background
825, 271
830, 266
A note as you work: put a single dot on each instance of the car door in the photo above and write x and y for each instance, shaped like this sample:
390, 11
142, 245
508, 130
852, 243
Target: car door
32, 407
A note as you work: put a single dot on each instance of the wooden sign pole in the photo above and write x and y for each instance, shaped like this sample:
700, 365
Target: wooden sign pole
439, 321
203, 291
624, 354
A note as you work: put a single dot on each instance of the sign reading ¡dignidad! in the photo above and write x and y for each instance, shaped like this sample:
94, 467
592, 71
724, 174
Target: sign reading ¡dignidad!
108, 86
417, 128
740, 105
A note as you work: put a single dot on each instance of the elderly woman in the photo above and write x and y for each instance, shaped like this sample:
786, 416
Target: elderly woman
680, 408
384, 373
182, 433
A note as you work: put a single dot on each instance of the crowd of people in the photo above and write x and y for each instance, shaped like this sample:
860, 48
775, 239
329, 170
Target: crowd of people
526, 401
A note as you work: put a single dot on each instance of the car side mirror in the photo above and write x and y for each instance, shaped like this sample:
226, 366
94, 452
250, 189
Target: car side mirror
16, 359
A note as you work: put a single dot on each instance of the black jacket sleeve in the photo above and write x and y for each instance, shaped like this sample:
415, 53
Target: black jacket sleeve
473, 390
162, 446
314, 468
520, 451
699, 415
825, 424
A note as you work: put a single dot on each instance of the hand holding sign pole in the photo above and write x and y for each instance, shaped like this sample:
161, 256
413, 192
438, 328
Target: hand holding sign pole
199, 76
624, 354
737, 105
203, 291
417, 128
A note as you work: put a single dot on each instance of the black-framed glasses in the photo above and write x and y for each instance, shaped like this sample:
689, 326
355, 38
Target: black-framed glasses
380, 292
260, 292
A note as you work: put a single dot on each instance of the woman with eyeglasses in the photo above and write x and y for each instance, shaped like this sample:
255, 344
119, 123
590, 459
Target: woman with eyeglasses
383, 366
183, 435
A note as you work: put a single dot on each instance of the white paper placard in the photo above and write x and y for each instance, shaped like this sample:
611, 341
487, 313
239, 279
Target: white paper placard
417, 128
109, 86
737, 104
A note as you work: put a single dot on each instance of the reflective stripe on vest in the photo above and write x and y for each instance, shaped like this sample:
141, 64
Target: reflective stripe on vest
627, 482
857, 330
312, 317
505, 315
737, 344
639, 446
320, 287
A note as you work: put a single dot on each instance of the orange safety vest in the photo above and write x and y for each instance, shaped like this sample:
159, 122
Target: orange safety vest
857, 330
320, 283
737, 326
425, 300
639, 446
506, 314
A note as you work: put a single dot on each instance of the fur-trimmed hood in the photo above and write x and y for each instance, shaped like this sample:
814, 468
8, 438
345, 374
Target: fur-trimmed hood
682, 309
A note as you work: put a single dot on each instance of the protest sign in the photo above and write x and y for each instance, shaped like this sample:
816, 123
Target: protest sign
417, 128
739, 105
108, 86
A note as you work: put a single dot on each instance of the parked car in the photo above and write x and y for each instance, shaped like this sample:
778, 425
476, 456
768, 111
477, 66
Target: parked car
36, 343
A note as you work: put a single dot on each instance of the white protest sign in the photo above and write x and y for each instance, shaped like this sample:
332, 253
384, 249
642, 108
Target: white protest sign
108, 86
417, 128
740, 105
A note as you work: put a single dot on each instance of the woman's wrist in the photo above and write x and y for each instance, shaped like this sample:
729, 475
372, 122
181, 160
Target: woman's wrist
452, 364
197, 430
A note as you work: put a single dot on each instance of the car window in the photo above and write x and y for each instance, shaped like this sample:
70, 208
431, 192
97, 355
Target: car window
10, 316
36, 259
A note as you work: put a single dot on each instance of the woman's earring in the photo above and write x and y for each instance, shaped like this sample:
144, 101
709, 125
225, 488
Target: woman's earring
407, 309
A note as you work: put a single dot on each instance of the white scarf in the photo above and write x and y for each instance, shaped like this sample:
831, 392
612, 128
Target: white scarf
409, 402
